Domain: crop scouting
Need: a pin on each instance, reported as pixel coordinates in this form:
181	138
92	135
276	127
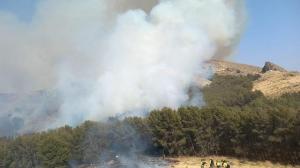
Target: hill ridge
273	80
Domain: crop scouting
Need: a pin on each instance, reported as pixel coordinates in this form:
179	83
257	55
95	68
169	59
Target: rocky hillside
273	80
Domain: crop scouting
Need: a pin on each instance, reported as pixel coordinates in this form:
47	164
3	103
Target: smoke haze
109	57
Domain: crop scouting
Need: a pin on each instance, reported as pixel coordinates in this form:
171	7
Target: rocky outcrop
269	66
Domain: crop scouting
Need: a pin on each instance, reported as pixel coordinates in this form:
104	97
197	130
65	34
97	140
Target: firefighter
219	164
212	164
225	164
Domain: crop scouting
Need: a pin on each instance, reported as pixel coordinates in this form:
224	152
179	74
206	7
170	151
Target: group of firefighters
219	164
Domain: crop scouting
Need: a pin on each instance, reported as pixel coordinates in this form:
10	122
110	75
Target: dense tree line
235	122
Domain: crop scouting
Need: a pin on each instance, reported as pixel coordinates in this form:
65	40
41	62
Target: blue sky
272	32
24	9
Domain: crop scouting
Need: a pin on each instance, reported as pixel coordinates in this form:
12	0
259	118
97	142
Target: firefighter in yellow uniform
203	164
225	164
219	164
211	164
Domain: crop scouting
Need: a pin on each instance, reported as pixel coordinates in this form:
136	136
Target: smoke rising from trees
107	57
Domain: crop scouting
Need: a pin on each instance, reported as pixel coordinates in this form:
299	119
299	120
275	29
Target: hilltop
222	67
273	80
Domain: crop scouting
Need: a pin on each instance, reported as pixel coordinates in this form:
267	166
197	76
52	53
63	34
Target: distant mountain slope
273	80
27	112
230	68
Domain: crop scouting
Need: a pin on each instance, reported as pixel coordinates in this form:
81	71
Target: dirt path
195	162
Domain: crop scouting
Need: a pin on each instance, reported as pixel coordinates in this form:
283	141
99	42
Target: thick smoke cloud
109	57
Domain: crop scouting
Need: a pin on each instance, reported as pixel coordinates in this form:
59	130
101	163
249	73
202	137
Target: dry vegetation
231	68
195	162
275	83
271	83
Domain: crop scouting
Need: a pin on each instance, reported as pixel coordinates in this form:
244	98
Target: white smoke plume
109	57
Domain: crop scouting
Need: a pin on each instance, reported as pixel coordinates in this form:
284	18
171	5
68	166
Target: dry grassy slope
271	83
275	83
230	68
